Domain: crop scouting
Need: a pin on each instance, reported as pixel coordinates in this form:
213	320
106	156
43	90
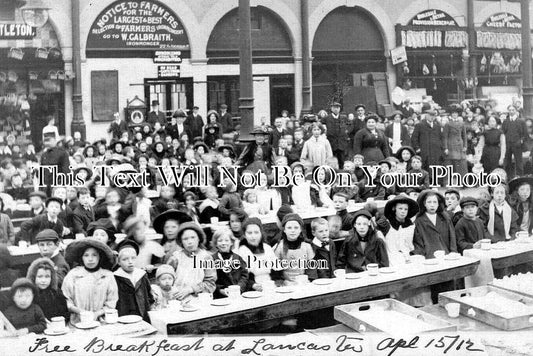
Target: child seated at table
470	229
47	296
323	247
192	279
422	180
134	291
452	205
250	204
334	225
48	243
292	247
228	276
103	231
36	202
363	247
30	228
230	200
164	289
340	203
25	315
501	220
165	201
150	252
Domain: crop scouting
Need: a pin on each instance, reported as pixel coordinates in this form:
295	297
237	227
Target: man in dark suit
56	157
515	130
117	127
297	146
277	133
427	140
337	134
396	132
226	120
181	128
195	123
156	115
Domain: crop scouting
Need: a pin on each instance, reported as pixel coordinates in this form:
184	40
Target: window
104	94
223	90
7	11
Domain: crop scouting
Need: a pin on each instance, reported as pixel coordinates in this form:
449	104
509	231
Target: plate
50	332
452	256
90	325
284	289
220	302
387	270
524	240
353	275
498	246
129	319
252	294
431	261
323	281
189	308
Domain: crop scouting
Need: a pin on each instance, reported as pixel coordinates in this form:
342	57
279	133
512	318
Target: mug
111	316
205	298
234	291
302	279
57	323
86	317
485	244
23	244
373	269
80	236
439	254
214	220
340	273
453	309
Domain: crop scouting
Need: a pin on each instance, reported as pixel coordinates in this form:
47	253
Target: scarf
92	270
506	219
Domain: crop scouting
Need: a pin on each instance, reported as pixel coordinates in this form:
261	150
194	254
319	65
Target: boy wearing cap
452	205
37	200
83	214
164	290
30	228
26	316
364	247
470	228
134	291
48	243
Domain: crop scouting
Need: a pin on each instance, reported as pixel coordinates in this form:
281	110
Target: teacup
302	279
111	316
453	309
23	244
86	317
234	291
205	298
268	286
340	273
57	323
439	254
373	269
417	259
214	220
485	244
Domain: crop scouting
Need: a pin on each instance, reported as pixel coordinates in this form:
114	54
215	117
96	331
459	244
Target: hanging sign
147	25
167	57
168	71
398	55
16	31
503	20
432	17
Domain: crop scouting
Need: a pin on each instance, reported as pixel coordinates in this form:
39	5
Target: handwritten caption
299	344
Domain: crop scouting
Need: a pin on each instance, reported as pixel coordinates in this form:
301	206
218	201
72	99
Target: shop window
171	95
7	11
224	90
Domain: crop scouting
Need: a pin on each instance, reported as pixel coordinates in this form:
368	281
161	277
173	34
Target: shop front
498	57
436	53
137	49
32	80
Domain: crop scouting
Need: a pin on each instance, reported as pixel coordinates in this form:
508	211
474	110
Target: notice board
104	94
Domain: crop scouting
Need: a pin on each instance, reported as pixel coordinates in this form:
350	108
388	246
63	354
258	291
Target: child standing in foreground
323	247
164	289
470	228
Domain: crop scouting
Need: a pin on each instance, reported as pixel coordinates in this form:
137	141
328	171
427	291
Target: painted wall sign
171	71
147	25
503	20
16	31
167	57
432	17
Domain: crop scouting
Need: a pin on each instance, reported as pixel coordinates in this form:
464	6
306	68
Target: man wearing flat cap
337	132
155	115
427	140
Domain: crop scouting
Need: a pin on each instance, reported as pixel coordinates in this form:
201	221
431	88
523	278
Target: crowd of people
96	254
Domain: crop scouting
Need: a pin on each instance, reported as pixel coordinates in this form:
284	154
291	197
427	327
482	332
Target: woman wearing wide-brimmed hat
90	286
399	212
258	155
521	201
167	224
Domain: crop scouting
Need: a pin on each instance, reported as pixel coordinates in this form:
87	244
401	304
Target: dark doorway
281	95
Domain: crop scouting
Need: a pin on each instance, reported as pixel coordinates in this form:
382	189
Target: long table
307	298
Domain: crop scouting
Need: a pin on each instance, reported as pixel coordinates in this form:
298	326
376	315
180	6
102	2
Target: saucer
431	261
353	275
284	289
220	302
452	256
387	270
323	281
50	332
252	294
189	308
90	325
129	319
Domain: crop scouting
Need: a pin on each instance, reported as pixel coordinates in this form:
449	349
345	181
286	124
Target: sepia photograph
266	177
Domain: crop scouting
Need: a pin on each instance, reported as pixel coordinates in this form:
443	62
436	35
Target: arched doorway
271	44
31	84
347	41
